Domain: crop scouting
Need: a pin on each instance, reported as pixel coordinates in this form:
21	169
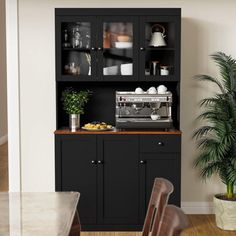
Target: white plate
123	44
98	129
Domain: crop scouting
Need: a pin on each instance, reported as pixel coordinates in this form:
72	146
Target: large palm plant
216	139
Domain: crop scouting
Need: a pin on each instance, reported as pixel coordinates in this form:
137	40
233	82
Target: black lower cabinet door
164	165
78	168
118	180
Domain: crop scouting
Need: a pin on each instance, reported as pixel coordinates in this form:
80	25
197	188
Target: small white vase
74	122
89	72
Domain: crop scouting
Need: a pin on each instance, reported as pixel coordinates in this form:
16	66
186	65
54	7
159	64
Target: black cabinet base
111	227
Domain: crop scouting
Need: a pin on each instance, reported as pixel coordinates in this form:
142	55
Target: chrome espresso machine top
143	110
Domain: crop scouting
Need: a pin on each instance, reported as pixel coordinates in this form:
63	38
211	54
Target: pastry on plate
95	125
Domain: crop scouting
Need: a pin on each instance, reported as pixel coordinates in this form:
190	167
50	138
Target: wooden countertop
119	131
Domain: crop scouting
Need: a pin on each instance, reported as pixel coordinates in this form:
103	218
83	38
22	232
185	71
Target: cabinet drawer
160	143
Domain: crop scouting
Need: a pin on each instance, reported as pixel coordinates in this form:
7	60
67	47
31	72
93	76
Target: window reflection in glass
118	48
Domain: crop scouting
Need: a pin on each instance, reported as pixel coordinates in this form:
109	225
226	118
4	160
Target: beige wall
207	26
3	78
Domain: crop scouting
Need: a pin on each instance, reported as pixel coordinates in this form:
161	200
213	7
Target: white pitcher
157	38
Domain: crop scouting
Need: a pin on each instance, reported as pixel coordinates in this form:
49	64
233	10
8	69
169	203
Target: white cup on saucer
155	116
152	90
161	89
139	90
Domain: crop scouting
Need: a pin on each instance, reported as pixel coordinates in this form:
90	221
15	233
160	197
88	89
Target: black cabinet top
118	11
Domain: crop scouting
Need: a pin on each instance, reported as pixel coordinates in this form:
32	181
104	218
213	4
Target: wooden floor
3	168
204	225
199	225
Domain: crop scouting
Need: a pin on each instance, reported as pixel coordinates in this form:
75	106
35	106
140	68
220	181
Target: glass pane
76	35
117	35
76	63
118	48
159	62
76	43
160	51
159	34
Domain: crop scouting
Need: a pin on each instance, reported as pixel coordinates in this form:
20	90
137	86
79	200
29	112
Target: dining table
39	214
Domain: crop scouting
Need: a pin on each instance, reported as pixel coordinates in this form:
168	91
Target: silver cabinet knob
160	143
94	162
142	162
100	162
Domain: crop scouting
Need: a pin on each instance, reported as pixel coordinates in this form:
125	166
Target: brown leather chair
162	188
173	222
76	227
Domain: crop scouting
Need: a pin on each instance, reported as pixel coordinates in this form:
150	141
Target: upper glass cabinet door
158	59
117	43
76	57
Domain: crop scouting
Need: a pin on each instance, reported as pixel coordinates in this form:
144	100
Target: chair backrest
173	222
162	188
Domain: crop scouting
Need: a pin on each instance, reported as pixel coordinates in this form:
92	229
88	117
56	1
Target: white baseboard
197	207
3	139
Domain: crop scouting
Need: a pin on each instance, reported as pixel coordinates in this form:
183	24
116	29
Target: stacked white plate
111	70
123	44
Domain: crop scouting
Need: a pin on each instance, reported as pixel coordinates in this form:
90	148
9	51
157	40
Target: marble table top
37	214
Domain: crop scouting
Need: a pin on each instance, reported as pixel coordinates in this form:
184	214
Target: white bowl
126	69
123	44
111	70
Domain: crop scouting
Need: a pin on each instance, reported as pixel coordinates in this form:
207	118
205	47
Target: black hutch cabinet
104	50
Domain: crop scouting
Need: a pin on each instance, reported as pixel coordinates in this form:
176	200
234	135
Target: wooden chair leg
76	227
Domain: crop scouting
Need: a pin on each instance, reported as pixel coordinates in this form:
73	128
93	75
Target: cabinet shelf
120	54
160	78
160	49
72	78
77	49
118	48
87	78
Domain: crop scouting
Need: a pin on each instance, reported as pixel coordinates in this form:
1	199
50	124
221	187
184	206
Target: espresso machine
145	110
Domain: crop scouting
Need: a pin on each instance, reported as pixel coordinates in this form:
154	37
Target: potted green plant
73	103
216	138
